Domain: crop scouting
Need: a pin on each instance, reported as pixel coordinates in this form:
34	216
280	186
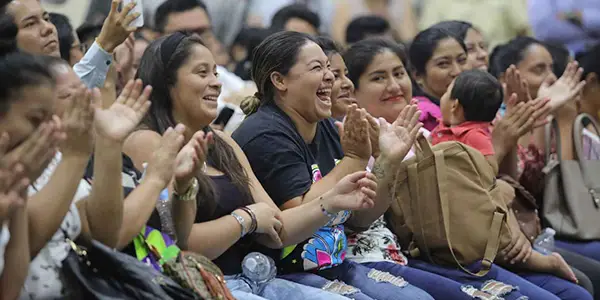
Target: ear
455	107
278	81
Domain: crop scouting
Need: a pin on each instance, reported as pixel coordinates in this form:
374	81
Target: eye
317	68
443	64
399	74
461	59
28	24
378	78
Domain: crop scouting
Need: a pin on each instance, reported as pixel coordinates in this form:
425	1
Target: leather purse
571	204
107	274
525	209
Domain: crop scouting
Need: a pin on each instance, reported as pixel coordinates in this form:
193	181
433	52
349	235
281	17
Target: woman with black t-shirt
295	151
234	214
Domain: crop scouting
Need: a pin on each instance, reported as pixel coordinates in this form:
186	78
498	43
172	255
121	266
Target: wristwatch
191	192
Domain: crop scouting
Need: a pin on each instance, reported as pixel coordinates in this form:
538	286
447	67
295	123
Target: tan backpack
448	208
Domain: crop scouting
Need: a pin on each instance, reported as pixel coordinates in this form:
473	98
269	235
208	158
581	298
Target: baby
468	107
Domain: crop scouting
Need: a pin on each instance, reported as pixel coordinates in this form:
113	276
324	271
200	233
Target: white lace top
44	278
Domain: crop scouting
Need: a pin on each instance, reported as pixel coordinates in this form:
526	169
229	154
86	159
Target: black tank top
228	199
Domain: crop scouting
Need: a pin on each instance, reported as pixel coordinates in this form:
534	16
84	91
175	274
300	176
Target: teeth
323	91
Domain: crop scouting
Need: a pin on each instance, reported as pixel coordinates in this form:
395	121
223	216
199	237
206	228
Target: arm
547	27
104	206
214	237
16	259
93	67
47	208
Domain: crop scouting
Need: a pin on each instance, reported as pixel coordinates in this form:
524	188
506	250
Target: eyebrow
316	60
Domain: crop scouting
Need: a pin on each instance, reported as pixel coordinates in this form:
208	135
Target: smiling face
535	67
384	87
477	50
196	89
308	85
342	94
37	35
447	62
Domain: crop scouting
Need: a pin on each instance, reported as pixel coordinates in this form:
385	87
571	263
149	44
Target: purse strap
578	128
493	243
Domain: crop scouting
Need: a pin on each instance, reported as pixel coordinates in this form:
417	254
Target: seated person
468	107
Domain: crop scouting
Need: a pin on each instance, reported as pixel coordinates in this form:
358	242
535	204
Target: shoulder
265	122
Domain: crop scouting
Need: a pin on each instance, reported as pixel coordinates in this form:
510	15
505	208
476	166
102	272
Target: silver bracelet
240	220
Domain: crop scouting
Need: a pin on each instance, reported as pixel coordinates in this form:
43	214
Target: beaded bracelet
254	225
325	212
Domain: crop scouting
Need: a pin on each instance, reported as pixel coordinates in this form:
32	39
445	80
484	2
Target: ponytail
251	104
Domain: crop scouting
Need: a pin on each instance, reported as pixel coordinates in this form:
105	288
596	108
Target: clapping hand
354	192
514	84
396	139
354	134
116	27
121	118
566	88
191	159
77	120
162	165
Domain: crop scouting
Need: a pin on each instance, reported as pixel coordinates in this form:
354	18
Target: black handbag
106	274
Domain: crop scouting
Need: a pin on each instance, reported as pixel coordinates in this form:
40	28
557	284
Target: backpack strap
493	243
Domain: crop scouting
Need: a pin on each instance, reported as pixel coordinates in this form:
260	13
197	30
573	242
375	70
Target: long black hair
158	67
510	53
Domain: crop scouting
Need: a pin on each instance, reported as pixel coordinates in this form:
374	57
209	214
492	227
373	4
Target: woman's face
67	86
32	107
308	85
477	50
139	47
535	66
385	87
37	35
343	88
447	62
196	90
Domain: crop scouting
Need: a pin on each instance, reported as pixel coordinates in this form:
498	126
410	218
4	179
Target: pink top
430	113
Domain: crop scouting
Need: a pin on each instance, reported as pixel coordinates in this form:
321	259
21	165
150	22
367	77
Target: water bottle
260	269
544	243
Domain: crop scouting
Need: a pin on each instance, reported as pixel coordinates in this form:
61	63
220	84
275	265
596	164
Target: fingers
383	125
114	7
516	249
125	17
141	104
356	176
180	128
97	98
272	233
371	194
368	182
136	91
520	257
124	96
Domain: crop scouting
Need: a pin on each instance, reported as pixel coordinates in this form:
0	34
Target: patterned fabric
161	242
327	246
430	112
45	279
376	244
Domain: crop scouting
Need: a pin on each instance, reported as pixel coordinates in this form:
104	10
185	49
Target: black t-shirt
286	166
229	198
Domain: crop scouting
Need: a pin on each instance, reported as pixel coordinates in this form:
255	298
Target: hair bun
250	104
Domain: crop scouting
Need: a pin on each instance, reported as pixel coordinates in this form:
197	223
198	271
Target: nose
456	69
328	76
215	83
347	84
48	28
393	86
482	54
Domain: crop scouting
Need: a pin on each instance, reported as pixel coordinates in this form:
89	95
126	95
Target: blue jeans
437	286
534	286
587	249
276	289
361	283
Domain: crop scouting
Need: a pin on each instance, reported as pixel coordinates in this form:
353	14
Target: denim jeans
524	286
360	282
276	289
587	249
437	286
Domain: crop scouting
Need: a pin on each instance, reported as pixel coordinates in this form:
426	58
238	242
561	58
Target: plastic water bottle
544	243
259	268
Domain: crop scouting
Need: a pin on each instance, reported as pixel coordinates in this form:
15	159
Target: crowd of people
108	137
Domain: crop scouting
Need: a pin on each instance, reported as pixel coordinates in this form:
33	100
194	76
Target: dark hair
510	53
277	53
17	71
158	67
8	33
457	28
86	32
174	6
249	38
65	34
298	11
360	55
425	43
560	58
365	26
479	93
589	61
328	45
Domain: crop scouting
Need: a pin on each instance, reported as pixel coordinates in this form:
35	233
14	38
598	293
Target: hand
519	119
268	221
395	140
162	165
124	58
13	190
354	134
116	26
191	160
518	251
77	121
374	136
354	192
566	88
121	118
35	153
515	85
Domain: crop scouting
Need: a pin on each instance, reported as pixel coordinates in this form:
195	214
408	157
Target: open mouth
324	94
210	98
